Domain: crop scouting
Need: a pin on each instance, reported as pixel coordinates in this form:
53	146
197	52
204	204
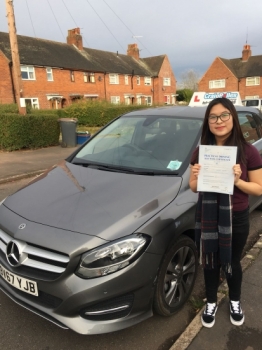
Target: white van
253	102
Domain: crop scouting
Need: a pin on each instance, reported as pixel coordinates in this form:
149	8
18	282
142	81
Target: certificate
216	172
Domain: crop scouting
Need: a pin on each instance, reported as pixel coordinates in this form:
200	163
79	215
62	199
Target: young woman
222	221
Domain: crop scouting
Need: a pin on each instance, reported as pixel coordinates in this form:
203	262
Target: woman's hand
237	173
195	170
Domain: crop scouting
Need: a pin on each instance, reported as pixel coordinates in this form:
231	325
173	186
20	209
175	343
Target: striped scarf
213	230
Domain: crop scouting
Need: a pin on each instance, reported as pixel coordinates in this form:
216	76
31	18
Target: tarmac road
21	329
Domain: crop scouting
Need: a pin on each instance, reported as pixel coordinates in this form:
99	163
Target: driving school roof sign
203	98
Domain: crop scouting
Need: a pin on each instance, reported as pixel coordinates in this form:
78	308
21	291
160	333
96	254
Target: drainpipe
154	90
105	84
12	80
132	76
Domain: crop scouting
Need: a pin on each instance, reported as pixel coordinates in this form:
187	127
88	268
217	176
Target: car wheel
176	277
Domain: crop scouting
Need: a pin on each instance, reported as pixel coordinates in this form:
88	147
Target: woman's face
220	127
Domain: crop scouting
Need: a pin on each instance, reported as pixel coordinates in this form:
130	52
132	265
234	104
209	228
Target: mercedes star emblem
13	254
22	226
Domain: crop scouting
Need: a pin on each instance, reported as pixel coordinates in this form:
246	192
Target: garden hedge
29	131
40	128
96	113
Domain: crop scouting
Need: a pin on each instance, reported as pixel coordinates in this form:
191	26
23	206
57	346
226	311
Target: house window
89	77
147	80
126	79
216	84
252	81
49	74
166	81
115	100
148	100
137	80
28	73
32	102
113	79
72	76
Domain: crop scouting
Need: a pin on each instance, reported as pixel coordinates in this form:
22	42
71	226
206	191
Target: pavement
17	165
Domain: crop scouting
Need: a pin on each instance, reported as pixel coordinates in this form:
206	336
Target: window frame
117	100
148	100
50	73
148	81
137	80
166	81
28	70
213	84
126	79
113	78
72	76
249	81
33	99
89	77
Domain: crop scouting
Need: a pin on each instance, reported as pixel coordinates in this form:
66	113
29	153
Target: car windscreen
142	144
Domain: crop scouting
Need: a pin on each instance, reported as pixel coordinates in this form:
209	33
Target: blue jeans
240	230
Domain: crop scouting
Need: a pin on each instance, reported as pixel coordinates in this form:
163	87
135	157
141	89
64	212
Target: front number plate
18	282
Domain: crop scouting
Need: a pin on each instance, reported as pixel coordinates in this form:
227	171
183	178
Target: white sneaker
237	317
208	316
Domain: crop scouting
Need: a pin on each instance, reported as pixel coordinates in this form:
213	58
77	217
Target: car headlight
111	257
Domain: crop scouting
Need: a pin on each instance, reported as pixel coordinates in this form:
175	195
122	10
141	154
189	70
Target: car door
251	125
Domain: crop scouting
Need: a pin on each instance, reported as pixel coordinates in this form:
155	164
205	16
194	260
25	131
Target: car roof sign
203	98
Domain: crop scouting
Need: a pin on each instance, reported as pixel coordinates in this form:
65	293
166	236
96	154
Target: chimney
246	53
75	38
133	51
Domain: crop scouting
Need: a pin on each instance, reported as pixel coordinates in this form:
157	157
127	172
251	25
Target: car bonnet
99	203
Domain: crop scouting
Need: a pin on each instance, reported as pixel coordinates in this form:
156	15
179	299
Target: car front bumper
93	306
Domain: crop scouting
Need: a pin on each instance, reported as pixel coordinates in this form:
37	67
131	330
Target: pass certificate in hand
216	172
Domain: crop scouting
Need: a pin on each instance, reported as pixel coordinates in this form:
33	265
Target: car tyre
176	277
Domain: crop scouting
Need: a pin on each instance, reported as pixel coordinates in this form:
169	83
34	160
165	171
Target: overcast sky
192	33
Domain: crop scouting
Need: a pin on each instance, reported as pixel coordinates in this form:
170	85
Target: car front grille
30	260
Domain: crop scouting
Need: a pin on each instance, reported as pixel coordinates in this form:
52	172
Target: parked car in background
105	238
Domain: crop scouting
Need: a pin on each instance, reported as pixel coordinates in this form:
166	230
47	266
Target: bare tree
189	80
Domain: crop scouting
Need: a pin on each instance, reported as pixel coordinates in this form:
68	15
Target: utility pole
16	69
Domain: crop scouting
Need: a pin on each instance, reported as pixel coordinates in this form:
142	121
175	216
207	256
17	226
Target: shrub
29	131
184	95
96	113
8	108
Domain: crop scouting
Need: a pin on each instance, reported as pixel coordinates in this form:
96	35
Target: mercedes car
105	239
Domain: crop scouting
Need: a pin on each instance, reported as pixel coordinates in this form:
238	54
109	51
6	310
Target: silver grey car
106	238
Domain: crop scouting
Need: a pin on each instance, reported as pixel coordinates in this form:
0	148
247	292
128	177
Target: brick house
237	74
56	74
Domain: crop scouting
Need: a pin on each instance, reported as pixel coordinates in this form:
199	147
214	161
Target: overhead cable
74	20
56	20
30	18
127	27
105	25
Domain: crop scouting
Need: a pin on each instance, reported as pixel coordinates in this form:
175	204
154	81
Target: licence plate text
18	282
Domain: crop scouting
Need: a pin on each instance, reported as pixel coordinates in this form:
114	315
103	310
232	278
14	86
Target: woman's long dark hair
236	137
